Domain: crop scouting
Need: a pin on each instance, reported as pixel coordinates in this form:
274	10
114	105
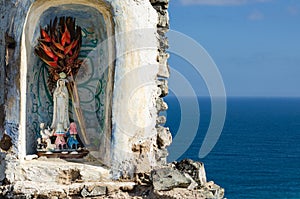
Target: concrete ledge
59	171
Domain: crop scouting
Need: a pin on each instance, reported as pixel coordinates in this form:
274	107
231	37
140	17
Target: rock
161	119
162	2
68	176
159	1
163	85
167	178
143	178
213	190
163	19
31	157
96	191
194	169
163	44
163	70
84	192
159	8
161	105
163	57
162	30
193	184
161	156
164	137
209	184
127	188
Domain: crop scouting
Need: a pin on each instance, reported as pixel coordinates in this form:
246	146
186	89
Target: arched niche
94	80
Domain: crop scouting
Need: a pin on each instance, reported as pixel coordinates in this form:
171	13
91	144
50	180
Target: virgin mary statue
60	105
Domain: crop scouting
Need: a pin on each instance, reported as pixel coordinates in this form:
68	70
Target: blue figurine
72	136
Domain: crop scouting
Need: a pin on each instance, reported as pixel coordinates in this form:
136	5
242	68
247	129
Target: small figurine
60	134
72	139
45	136
50	146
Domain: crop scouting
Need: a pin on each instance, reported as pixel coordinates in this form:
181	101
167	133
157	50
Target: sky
255	44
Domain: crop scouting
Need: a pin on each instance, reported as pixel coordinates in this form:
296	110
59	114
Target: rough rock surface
164	137
185	174
166	182
94	191
194	169
55	170
168	178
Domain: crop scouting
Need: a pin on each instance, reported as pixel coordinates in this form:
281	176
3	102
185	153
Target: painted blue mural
91	79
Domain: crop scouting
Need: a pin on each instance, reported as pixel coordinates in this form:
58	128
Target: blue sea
258	152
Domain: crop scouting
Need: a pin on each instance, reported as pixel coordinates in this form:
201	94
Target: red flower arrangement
59	46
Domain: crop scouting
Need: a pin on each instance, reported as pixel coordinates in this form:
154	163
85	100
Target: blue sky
254	43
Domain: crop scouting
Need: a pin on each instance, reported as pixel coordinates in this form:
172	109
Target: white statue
61	105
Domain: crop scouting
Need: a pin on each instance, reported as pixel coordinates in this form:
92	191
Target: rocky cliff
184	179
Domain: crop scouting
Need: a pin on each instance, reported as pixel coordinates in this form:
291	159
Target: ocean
258	153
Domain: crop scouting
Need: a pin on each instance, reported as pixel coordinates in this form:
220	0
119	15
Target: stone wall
164	137
13	15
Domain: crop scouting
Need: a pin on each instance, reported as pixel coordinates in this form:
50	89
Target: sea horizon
258	152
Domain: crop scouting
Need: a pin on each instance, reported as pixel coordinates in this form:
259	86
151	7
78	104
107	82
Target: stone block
68	176
213	190
163	19
163	70
94	191
164	137
161	105
161	156
193	184
163	43
98	190
164	88
164	179
195	169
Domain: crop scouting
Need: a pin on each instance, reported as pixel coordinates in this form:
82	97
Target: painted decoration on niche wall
70	63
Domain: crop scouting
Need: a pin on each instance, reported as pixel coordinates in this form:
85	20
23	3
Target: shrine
83	88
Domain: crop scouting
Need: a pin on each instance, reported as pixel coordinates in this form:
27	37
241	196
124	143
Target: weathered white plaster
134	89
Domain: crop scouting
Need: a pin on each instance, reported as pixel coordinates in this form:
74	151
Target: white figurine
45	133
45	136
50	146
61	105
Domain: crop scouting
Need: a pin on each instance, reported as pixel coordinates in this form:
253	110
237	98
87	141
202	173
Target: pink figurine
60	134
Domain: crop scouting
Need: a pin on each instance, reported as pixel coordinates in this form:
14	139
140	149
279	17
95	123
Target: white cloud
221	2
256	15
